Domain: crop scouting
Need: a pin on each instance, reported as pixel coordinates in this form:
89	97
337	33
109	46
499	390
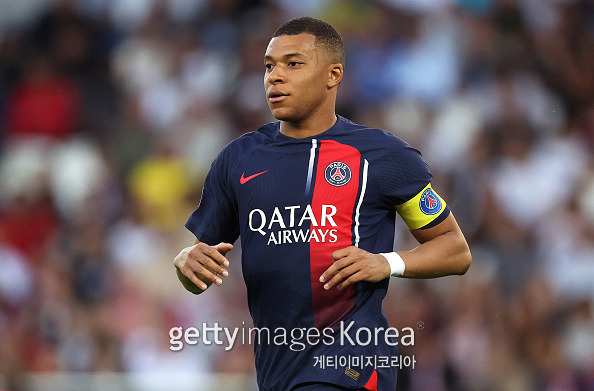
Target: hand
201	263
353	264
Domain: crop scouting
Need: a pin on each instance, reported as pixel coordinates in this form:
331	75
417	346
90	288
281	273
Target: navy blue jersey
296	201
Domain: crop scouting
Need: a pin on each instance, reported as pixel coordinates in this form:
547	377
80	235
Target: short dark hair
326	35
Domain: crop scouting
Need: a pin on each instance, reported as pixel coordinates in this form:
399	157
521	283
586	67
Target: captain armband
424	210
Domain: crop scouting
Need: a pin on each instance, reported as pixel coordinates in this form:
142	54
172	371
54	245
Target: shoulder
246	143
384	140
374	136
398	167
380	145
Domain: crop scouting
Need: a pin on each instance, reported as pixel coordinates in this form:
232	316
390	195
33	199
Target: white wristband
396	263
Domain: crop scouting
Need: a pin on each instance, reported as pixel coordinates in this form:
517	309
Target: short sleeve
216	218
405	183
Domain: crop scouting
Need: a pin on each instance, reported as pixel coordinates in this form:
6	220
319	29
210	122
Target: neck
313	125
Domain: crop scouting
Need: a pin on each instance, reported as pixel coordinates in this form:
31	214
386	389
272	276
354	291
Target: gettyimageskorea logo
296	339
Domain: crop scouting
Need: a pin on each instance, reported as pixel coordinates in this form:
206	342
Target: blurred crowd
111	112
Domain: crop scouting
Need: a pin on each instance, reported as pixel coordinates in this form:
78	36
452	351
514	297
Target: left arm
442	251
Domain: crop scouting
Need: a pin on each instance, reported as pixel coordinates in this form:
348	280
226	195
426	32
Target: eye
268	66
294	63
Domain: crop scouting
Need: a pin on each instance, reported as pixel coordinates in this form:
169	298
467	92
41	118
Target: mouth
276	96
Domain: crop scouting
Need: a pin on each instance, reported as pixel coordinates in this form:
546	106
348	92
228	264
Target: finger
209	256
213	252
189	273
336	267
359	276
204	271
211	265
224	248
342	253
342	275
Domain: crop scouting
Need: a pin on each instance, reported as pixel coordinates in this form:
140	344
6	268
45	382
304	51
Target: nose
275	76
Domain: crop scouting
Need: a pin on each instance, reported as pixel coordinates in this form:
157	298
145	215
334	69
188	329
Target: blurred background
111	112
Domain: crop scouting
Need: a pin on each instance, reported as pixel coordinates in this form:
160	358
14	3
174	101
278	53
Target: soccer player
314	197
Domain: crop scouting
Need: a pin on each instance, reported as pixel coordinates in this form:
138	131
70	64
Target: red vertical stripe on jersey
372	383
331	306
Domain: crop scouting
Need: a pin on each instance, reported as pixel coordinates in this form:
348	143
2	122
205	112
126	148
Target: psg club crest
337	174
429	203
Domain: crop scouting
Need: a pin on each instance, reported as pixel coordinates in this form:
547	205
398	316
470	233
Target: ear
335	75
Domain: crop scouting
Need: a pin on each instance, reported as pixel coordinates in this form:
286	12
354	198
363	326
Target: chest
293	176
298	195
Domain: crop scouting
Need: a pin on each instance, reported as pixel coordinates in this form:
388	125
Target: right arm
197	266
215	220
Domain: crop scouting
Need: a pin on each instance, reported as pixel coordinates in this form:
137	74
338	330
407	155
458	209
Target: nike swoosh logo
243	180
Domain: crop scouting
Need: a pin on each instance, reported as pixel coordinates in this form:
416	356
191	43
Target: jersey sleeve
216	218
405	182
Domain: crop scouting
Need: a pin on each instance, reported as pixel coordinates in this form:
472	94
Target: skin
199	266
297	67
308	80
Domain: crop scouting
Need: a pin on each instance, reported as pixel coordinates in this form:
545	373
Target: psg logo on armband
430	204
337	174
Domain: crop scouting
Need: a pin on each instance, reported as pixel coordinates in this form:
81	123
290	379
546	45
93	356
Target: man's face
296	77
